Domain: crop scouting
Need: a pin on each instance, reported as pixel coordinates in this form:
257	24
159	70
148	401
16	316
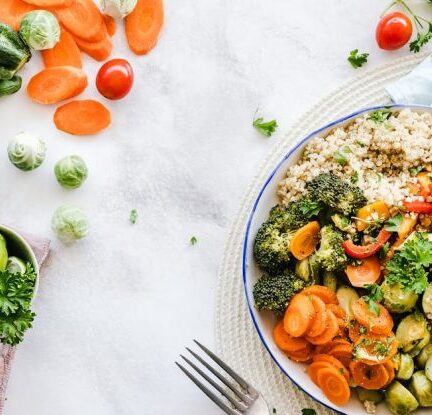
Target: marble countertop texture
115	310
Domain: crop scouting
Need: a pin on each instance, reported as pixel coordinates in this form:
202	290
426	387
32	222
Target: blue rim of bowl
290	153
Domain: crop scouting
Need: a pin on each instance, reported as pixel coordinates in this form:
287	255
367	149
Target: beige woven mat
237	341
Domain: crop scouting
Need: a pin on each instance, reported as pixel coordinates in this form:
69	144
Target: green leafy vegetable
193	240
393	224
133	216
40	29
379	116
354	177
309	208
384	250
413	171
266	128
421	39
374	297
341	156
356	59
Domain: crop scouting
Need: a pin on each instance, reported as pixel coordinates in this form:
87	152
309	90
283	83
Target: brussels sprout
396	300
347	296
330	280
40	29
3	253
71	171
424	355
400	400
427	301
70	223
302	269
428	368
118	8
375	396
412	333
421	388
314	267
26	152
16	265
405	366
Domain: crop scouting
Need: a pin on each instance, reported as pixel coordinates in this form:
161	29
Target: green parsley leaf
422	39
393	224
354	177
379	116
413	171
341	156
309	208
193	240
266	128
308	411
133	216
374	297
383	251
356	59
360	144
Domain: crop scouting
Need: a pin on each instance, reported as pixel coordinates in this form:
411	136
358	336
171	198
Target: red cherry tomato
115	78
393	31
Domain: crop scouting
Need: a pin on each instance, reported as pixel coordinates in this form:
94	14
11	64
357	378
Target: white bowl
264	321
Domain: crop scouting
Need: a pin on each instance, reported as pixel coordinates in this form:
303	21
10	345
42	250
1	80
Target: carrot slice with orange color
305	240
56	84
285	341
100	50
367	272
64	53
325	293
110	24
390	370
369	376
340	314
12	12
144	25
373	349
324	349
371	212
84	117
83	19
315	367
356	330
334	385
319	321
377	323
331	331
303	355
342	352
298	316
50	3
334	362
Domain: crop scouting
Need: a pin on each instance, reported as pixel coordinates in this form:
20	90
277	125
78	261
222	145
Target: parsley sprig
266	128
380	116
374	297
356	59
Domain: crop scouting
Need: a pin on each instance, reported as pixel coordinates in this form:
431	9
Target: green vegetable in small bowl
70	223
71	171
26	152
40	29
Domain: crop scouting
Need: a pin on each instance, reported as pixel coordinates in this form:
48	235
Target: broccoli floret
274	292
343	223
271	247
336	193
331	255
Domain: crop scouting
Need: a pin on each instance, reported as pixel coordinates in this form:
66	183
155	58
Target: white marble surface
115	310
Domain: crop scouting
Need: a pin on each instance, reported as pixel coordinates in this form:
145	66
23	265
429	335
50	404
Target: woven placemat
236	339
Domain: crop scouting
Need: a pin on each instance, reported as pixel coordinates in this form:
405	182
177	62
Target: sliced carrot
50	3
356	330
334	362
342	352
325	293
368	272
390	370
56	84
373	349
303	355
305	240
315	367
334	385
84	117
381	323
110	24
64	53
340	314
331	331
83	19
286	342
144	25
12	12
298	316
369	376
324	349
371	212
320	319
100	50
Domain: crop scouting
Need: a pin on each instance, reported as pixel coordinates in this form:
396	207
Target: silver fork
244	398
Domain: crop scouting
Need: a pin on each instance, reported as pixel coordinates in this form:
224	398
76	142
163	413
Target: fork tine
239	405
222	378
210	394
227	369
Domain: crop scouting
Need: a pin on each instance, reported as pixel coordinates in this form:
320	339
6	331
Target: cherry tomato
393	31
115	78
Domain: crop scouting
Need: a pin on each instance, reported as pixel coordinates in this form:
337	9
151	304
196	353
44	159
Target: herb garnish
413	171
193	240
393	224
341	156
133	216
374	297
354	177
356	59
266	128
379	116
309	208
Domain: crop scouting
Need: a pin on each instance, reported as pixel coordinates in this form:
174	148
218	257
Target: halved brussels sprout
405	366
330	280
424	355
421	388
412	334
16	265
396	300
427	301
347	296
3	253
400	400
26	152
314	268
375	396
302	269
428	368
40	29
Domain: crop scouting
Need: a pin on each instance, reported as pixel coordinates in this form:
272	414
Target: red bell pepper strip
418	207
365	251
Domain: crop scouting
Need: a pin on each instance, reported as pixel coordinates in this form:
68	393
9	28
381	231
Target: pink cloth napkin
41	247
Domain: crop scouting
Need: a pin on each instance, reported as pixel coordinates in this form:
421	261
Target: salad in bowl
338	272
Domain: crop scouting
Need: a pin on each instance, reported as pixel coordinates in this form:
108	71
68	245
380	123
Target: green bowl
18	246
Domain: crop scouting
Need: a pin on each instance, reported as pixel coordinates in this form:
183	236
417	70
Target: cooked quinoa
377	156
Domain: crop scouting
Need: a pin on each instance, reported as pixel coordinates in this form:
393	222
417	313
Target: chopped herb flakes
133	216
380	116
